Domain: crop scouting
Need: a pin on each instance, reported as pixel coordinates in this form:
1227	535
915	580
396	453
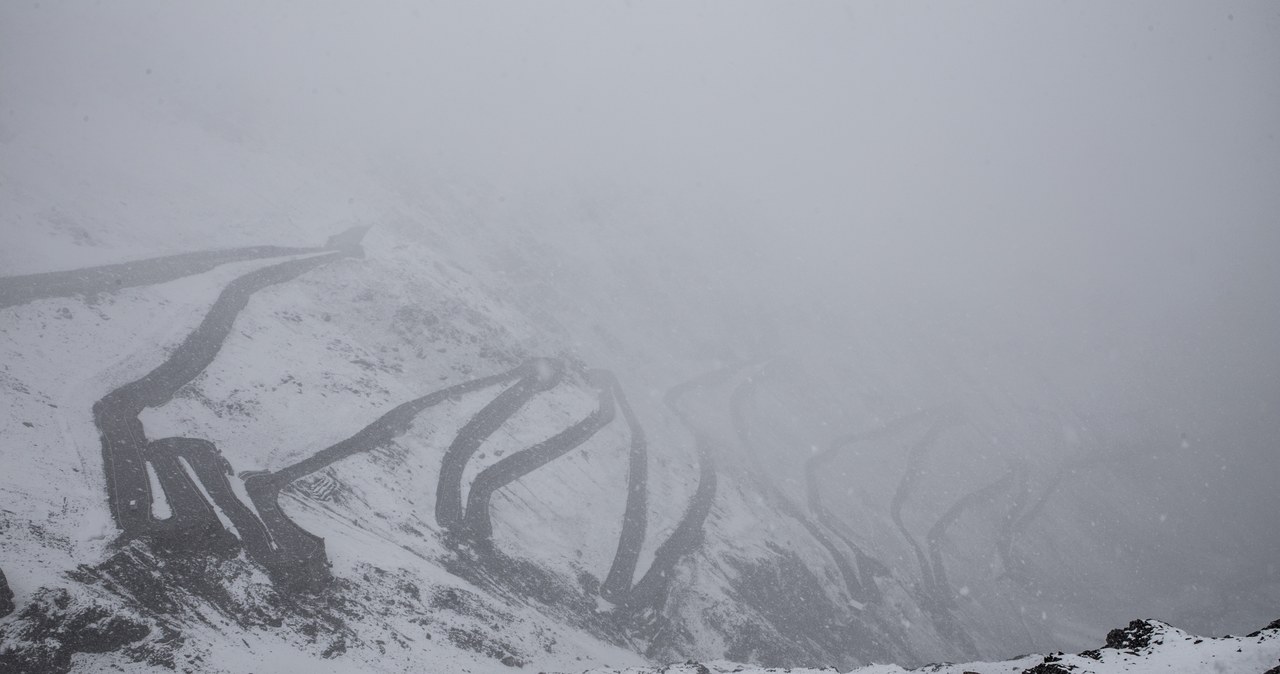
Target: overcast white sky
1056	140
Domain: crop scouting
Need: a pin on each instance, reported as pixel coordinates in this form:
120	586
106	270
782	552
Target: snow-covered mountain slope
231	442
1143	647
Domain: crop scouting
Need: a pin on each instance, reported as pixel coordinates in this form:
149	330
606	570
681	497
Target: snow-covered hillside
271	343
313	367
1144	647
272	404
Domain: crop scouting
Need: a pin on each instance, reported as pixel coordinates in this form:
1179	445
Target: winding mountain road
126	449
476	523
859	589
915	469
814	468
540	376
650	591
194	478
987	494
635	519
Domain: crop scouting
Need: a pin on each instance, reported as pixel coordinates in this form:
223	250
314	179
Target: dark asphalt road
859	589
116	414
941	585
535	377
936	603
476	524
915	468
126	449
188	469
264	488
814	469
16	290
651	590
635	519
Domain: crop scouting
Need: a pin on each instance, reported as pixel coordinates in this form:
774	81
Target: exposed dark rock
6	596
1137	635
476	641
53	628
804	626
338	647
1274	625
1049	668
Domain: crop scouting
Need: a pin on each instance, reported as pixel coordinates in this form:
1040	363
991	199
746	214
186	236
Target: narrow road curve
1022	515
540	375
1021	518
1022	493
943	620
380	433
815	466
742	395
1024	511
651	590
291	555
868	567
126	449
476	524
15	290
941	586
915	460
1009	528
635	519
297	548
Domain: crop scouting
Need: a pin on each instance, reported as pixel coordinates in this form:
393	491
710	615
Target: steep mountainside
240	433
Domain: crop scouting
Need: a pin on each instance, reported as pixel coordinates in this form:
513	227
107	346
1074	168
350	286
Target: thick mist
1062	218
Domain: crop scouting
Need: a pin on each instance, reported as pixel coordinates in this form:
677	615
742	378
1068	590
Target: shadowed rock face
859	589
53	627
6	596
1136	635
805	627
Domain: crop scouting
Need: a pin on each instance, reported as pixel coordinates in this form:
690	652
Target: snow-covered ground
1145	647
455	284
